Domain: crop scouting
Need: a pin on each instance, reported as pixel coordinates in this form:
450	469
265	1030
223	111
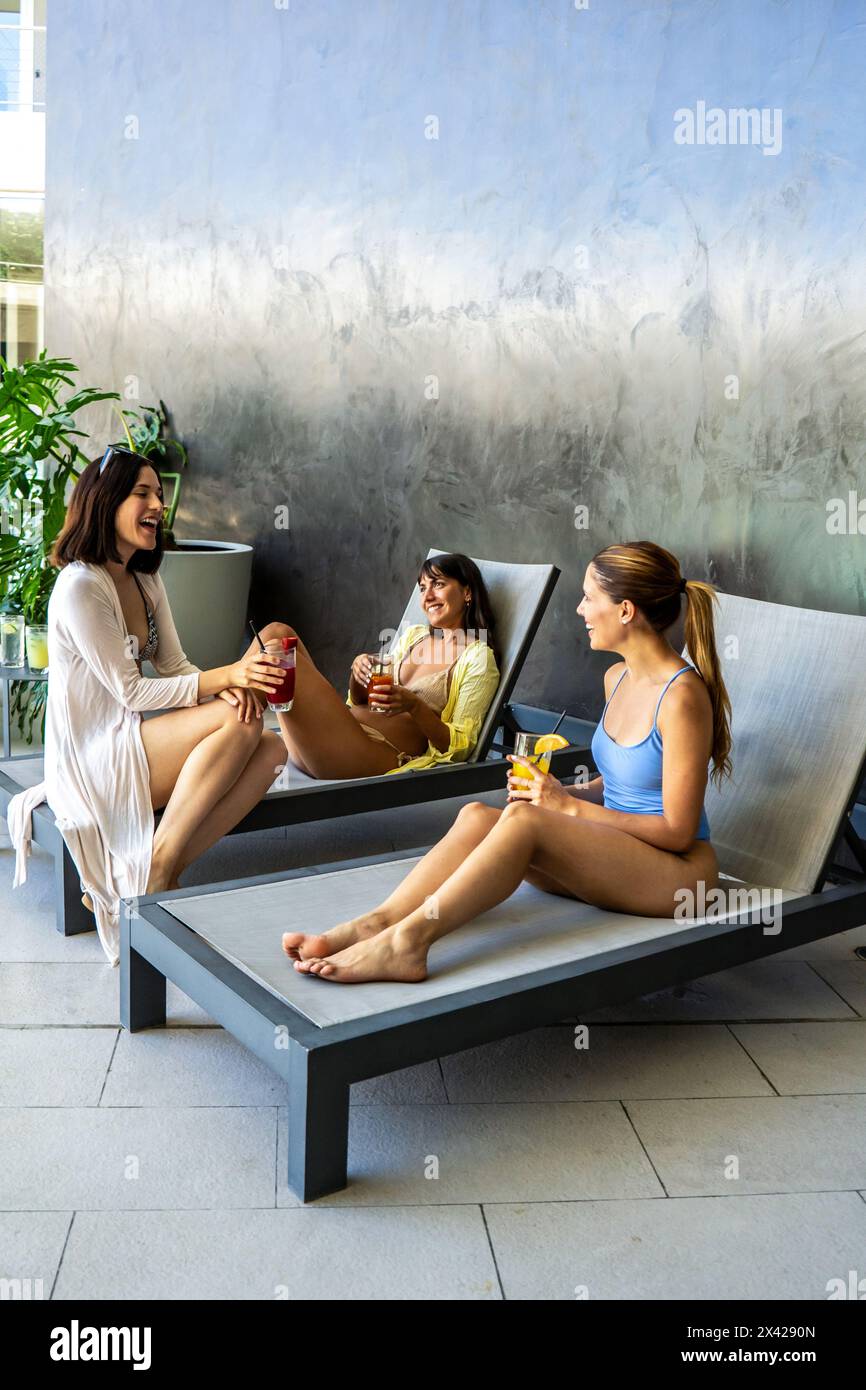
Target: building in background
22	177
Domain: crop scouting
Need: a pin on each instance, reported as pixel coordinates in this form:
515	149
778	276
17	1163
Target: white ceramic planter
208	585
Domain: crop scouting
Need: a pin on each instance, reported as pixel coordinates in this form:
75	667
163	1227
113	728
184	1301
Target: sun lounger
797	681
519	594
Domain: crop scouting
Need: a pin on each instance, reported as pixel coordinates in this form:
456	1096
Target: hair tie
683	583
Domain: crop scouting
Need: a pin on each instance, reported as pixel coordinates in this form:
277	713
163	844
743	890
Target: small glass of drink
381	679
525	746
37	646
282	699
11	639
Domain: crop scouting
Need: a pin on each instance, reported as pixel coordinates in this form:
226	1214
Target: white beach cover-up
97	781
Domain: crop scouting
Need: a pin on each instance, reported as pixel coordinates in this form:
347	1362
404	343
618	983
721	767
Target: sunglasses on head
112	452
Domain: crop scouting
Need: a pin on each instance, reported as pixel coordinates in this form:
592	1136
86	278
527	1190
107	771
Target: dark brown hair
478	616
650	578
88	532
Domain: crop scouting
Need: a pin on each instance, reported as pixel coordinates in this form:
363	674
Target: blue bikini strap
613	692
661	697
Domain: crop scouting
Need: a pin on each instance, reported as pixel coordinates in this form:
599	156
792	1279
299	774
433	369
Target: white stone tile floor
701	1143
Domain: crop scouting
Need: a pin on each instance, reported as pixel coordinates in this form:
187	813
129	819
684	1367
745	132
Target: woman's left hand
391	699
540	789
249	704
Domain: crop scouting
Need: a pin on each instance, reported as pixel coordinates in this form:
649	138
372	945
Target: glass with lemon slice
537	748
11	639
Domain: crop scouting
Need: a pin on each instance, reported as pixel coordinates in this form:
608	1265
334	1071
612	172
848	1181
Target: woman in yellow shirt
446	674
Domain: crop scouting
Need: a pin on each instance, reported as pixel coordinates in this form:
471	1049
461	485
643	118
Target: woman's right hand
362	668
257	671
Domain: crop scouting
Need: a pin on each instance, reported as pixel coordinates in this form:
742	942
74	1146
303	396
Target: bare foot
300	945
386	956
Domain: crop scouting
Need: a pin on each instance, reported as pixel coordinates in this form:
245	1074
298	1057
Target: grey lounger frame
319	1063
520	593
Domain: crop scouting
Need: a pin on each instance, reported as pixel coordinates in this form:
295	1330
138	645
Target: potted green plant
207	582
40	456
146	435
43	451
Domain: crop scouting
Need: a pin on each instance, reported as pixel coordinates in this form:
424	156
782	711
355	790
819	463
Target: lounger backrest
797	682
519	595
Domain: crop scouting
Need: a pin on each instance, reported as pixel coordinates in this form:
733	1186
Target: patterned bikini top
148	651
433	688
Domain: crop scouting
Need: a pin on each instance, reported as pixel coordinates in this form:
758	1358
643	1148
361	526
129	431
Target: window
22	177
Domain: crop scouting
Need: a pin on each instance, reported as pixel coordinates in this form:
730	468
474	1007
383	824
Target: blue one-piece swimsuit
633	772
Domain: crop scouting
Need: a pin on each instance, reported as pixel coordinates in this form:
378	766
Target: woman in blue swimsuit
630	840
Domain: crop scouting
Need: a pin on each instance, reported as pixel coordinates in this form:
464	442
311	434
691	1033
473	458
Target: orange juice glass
525	747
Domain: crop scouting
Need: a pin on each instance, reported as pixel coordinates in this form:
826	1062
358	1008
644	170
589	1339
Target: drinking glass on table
37	646
11	639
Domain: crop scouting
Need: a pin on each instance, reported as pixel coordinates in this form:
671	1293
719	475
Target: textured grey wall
328	213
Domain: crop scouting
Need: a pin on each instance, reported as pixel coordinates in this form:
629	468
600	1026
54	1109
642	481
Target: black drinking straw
558	722
553	730
252	628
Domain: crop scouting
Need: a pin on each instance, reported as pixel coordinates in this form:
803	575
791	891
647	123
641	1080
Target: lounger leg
318	1126
5	702
142	987
72	916
856	845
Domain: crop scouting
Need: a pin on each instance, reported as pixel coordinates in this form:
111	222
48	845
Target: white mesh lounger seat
797	681
519	595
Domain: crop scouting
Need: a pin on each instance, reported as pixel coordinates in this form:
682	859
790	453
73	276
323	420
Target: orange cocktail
537	748
382	677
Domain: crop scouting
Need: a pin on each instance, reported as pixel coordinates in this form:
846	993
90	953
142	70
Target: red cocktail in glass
281	699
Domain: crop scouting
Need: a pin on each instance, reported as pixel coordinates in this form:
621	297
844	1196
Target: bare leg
490	873
258	775
321	735
596	862
473	822
548	884
195	756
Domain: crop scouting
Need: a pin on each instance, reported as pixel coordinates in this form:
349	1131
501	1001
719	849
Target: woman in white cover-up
207	762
